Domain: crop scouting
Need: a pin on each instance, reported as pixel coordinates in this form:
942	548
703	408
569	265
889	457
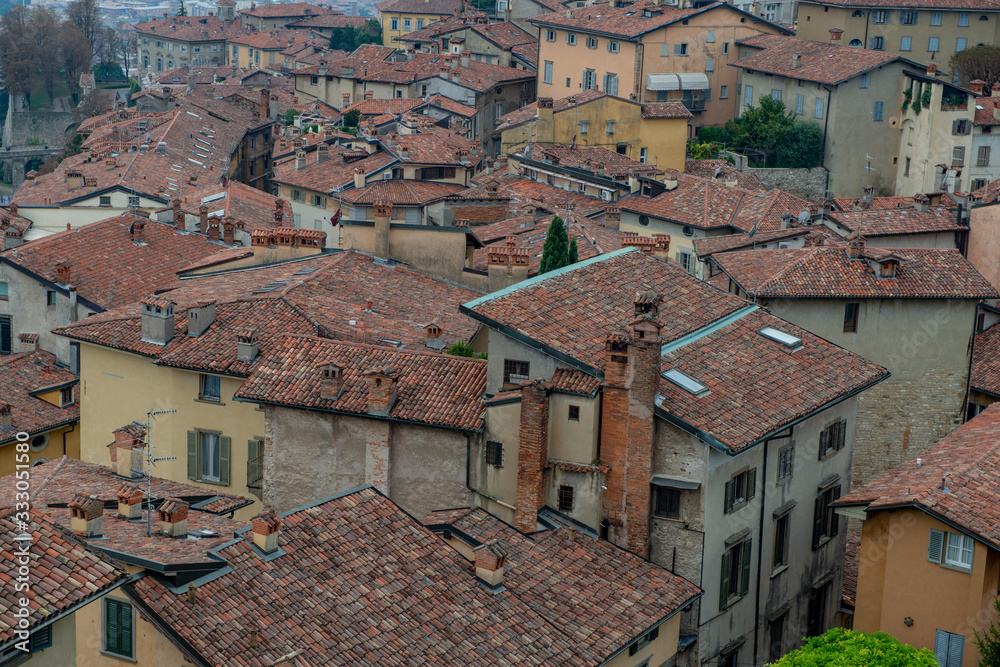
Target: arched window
855	43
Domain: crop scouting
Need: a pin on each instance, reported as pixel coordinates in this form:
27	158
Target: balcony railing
255	472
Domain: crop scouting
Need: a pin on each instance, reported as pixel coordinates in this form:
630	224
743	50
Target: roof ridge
59	466
962	471
339	341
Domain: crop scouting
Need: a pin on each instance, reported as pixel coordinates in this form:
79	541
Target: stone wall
47	127
808	184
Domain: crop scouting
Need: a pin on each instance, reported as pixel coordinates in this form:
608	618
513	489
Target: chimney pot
28	341
976	86
129	501
381	390
490	560
87	513
173	515
266	528
434	339
247	345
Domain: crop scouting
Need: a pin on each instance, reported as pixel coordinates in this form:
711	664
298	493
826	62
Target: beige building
176	41
648	54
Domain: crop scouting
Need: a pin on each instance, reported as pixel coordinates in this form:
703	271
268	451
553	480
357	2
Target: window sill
778	570
123	658
823	541
212	482
957	568
672	519
210	401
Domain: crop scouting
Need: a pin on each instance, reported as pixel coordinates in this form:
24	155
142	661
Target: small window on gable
887	269
565	498
574	413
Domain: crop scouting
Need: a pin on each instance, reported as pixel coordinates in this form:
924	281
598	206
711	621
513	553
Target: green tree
108	71
289	116
801	147
370	33
464	350
574	252
850	648
345	39
761	129
351	118
989	642
980	62
133	88
555	252
182	10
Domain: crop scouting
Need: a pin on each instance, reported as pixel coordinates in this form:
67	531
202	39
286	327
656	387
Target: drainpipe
868	17
760	540
826	125
74	428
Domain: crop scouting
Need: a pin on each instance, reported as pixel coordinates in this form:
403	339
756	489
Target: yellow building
930	552
651	133
39	412
263	49
649	54
400	17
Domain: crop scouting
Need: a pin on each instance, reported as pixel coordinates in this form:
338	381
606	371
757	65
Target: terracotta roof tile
440	7
899	221
665	110
615	165
23	375
189	28
524	192
983	5
330	175
956	480
627	21
828	272
377	107
433	389
402	193
820	62
985	375
270	40
573	382
592	239
708	168
986	108
332	20
287	9
852	561
858	204
817	234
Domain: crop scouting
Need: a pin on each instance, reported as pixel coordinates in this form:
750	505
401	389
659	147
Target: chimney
490	559
74	179
200	318
856	248
920	203
157	320
331	382
347	99
178	214
670	182
129	501
138	231
279	212
932	69
87	513
228	231
383	212
359	177
465	60
381	390
533	448
28	342
369	94
213	229
434	340
6	418
612	217
976	86
62	273
300	160
203	219
322	153
173	515
266	528
731	181
835	35
247	345
868	195
995	92
265	102
795	60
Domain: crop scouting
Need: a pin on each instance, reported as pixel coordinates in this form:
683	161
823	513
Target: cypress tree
574	255
555	252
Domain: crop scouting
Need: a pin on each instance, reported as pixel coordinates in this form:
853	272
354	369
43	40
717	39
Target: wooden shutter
956	646
730	491
745	579
751	483
935	547
112	630
192	455
842	436
824	439
834	517
817	521
727	561
941	647
125	633
224	442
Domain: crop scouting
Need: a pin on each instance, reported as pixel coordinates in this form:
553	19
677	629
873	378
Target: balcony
255	475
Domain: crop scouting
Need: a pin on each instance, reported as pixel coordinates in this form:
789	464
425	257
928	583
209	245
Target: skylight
778	336
689	385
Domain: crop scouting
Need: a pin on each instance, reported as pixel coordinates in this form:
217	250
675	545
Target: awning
672	483
677	81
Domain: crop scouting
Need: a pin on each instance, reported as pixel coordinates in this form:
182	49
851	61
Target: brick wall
377	454
481	214
645	370
533	453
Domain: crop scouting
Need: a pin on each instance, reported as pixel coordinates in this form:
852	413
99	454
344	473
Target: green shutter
936	546
730	490
746	554
817	521
224	460
824	438
112	640
751	483
125	635
724	579
842	440
834	517
192	455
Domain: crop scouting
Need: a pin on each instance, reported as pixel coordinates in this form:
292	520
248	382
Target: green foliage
133	88
574	252
289	117
182	10
989	642
349	38
310	128
33	141
702	151
850	648
555	252
955	99
109	72
761	129
351	118
802	147
916	106
463	350
925	97
711	135
981	62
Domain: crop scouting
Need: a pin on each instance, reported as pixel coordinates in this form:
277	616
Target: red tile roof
852	561
402	193
665	110
820	62
333	20
828	272
431	389
858	203
708	169
64	574
383	589
982	5
956	481
628	21
592	239
444	26
21	377
985	374
282	10
329	176
189	29
271	40
254	208
440	7
706	247
504	34
986	108
394	105
106	266
549	570
524	192
572	381
615	165
899	221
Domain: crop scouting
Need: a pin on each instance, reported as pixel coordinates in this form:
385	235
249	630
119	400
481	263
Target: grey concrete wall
503	347
48	127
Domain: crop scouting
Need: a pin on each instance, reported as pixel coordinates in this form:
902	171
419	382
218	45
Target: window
723	92
159	44
819	108
958	156
236	51
781	535
664	50
731	658
571	38
856	43
832	439
960	44
420	24
951	549
725	48
611	83
298	195
4	292
876	43
592	43
644	154
574	413
105	200
494	453
5	334
565	498
643	641
514	371
935	18
50	298
170	46
776	632
740	489
776	95
66	396
816	617
614	47
40	639
747	95
825	520
589	79
394	24
786	462
933	44
983	157
119	633
948	648
159	64
686	260
863	81
978	183
609	126
963	19
904	43
550	35
133	201
210	387
735	581
877	111
880	16
195	49
208	457
906	172
680	49
314	80
798	104
666	502
498	110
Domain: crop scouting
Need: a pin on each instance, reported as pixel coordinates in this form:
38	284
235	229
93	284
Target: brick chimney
381	399
434	340
228	231
200	318
28	342
369	94
359	177
533	454
331	382
129	501
383	212
322	153
87	513
203	219
157	320
178	214
346	97
173	515
265	102
976	86
490	560
279	212
266	529
128	439
995	92
932	69
138	231
856	248
247	345
62	273
381	390
213	229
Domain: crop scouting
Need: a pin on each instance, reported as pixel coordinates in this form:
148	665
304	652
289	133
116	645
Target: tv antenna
150	462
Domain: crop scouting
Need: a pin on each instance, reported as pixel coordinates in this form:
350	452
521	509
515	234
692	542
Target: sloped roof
25	374
439	7
985	374
899	221
402	193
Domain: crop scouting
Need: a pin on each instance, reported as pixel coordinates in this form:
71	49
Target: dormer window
887	269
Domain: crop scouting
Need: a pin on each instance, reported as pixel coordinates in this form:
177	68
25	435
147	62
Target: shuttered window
832	439
118	631
948	648
786	462
983	158
735	577
826	523
740	489
208	456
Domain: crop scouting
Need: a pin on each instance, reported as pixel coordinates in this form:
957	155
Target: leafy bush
289	117
464	350
711	135
989	642
802	147
850	648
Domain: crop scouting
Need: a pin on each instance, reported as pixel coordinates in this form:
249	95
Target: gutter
917	506
691	600
56	287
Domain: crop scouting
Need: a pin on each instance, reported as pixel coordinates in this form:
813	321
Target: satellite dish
804	217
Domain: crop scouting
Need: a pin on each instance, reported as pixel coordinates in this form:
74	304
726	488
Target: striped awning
677	81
